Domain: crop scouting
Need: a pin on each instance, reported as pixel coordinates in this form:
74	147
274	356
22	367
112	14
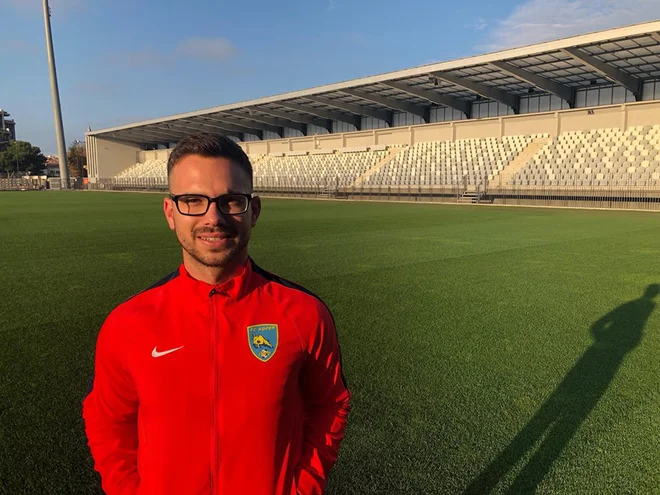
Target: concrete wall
553	123
106	158
468	129
302	144
258	148
359	139
432	132
636	115
541	123
112	157
394	135
330	142
594	118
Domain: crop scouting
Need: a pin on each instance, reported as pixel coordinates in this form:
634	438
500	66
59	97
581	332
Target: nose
214	214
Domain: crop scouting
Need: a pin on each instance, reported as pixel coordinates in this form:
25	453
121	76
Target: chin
218	258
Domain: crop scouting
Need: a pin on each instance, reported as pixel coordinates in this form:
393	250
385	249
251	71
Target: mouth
214	240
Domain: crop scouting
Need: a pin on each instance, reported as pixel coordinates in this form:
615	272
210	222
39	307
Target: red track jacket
230	389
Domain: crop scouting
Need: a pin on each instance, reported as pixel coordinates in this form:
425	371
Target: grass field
502	350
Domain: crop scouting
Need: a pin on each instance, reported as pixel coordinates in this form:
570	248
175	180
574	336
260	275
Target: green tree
77	158
20	157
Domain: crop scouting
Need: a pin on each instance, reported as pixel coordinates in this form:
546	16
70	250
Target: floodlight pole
57	110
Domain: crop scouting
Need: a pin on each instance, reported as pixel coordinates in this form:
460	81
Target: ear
168	209
256	209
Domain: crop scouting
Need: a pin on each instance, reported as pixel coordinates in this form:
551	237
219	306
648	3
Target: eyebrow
231	191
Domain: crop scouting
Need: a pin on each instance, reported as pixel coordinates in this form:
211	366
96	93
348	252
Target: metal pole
55	93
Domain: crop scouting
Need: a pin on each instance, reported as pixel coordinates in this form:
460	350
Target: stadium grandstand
572	122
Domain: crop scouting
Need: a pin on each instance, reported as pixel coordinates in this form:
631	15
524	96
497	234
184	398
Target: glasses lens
191	204
233	204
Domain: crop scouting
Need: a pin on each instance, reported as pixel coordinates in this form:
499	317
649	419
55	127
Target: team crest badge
263	341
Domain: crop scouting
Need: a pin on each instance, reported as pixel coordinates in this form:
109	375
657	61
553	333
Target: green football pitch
488	349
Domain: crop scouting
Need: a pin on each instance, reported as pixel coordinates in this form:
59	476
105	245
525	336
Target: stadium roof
624	56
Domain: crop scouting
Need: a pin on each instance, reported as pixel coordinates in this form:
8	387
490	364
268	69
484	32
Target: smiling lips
214	238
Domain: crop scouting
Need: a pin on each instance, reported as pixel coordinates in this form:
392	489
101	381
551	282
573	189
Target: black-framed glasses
196	205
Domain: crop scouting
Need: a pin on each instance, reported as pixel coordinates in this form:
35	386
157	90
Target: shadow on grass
553	426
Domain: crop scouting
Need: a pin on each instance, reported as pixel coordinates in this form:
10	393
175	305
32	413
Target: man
221	378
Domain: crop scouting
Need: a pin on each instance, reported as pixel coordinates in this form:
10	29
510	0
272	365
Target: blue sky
122	61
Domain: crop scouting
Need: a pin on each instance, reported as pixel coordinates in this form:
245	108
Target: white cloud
479	24
213	49
207	48
535	21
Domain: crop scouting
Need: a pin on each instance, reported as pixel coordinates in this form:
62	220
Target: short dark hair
210	146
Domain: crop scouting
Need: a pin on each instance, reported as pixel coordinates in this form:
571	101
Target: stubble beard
213	258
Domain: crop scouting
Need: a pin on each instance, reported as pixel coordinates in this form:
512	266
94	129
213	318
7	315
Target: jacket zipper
214	393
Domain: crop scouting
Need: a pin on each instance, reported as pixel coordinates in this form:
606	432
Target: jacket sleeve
110	414
327	406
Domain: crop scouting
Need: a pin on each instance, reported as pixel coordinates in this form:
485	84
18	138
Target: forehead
207	175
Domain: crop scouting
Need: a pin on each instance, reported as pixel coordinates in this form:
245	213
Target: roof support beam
274	121
354	120
228	129
209	120
481	89
250	125
201	126
164	136
113	136
304	119
614	74
432	96
402	106
353	108
564	92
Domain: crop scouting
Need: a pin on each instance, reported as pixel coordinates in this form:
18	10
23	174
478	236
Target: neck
213	275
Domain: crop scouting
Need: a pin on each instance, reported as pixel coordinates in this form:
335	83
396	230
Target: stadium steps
258	159
521	160
261	161
468	197
393	152
473	197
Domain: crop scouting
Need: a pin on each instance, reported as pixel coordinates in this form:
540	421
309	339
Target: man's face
214	239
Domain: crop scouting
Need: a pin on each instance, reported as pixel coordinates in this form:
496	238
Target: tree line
18	158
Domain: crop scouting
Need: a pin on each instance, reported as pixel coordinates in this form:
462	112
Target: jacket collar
233	289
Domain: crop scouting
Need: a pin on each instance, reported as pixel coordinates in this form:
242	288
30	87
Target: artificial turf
488	349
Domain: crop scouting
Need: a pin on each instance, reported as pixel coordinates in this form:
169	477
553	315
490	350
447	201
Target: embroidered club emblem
262	340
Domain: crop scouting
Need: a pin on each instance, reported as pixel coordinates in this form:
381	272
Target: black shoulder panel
286	283
162	281
292	285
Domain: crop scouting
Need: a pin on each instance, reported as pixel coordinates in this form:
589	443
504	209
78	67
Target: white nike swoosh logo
157	354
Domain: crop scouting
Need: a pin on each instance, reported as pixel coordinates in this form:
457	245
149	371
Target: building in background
52	166
7	128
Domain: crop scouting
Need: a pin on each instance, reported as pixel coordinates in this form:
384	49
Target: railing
132	184
589	192
16	184
613	195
